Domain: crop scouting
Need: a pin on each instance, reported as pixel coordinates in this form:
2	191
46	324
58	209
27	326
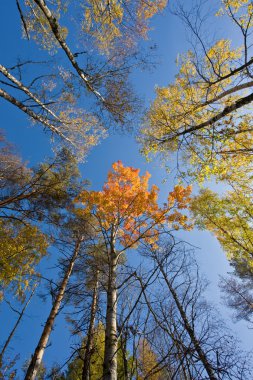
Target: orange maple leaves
129	211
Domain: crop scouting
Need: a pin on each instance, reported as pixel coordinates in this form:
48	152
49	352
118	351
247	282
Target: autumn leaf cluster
127	208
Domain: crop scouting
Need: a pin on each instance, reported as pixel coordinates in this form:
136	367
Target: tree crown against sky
32	200
205	113
70	84
127	211
83	87
205	117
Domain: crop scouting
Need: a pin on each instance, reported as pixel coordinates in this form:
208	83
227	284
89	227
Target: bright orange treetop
127	212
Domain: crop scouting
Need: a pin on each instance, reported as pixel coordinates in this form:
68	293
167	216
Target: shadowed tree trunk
124	353
90	336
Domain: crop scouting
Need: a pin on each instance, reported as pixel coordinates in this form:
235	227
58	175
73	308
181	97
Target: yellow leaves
115	24
102	21
229	218
148	9
21	249
39	29
81	129
221	58
187	115
147	361
129	211
236	4
239	10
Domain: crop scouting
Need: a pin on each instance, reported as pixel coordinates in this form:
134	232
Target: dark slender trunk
90	335
21	313
111	340
202	356
124	354
39	351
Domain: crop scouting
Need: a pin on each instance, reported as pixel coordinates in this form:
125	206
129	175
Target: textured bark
111	341
90	335
34	115
55	27
39	351
26	90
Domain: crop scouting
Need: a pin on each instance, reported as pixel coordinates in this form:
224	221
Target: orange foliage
130	211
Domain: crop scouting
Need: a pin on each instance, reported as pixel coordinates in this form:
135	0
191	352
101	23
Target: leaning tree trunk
90	335
202	355
111	340
39	351
15	327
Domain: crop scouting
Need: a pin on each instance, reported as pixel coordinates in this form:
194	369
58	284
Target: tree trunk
39	351
111	340
90	335
202	356
15	327
124	354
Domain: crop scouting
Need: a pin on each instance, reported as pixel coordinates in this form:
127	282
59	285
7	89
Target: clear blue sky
34	145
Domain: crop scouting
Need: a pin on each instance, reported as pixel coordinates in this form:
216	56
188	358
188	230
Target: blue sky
34	145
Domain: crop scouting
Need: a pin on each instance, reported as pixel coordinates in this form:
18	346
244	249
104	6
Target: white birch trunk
111	340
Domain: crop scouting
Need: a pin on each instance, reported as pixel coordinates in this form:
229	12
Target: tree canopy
205	113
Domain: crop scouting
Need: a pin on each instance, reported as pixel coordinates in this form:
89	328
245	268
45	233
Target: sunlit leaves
113	23
239	10
81	131
21	247
38	27
230	218
147	361
108	23
204	113
129	210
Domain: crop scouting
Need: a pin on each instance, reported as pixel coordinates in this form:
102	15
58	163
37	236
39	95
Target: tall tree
125	213
185	332
229	218
28	197
204	113
205	116
84	296
146	361
12	332
109	35
74	237
75	366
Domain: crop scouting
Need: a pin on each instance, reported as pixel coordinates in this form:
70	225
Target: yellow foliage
21	248
229	218
39	28
114	23
182	116
146	361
